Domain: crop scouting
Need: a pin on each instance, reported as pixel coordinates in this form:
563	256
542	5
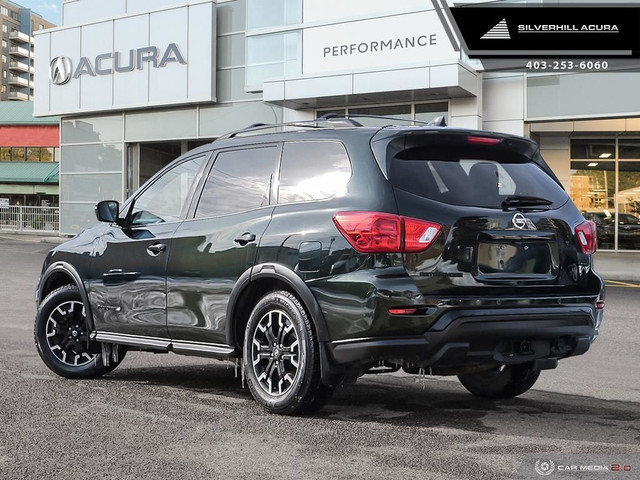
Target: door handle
117	275
244	239
156	249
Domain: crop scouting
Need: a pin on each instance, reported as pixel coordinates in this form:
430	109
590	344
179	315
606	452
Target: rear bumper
464	339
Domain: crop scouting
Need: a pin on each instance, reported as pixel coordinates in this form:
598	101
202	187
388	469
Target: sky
49	9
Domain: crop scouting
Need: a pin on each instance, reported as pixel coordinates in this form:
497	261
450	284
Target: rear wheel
502	382
61	334
281	357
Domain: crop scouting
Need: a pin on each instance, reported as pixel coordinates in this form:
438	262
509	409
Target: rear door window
239	181
313	171
468	179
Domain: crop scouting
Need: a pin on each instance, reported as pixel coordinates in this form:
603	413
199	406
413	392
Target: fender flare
70	271
293	280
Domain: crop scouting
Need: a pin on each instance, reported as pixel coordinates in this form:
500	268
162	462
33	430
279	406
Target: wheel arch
256	282
59	274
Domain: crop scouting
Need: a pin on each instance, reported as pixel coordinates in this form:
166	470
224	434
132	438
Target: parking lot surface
166	416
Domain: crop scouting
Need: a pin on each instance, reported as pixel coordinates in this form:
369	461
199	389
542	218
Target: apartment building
18	25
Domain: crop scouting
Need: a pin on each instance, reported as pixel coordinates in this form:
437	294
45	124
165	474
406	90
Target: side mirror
107	211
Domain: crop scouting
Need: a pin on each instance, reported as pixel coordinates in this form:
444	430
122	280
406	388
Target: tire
66	352
502	382
281	357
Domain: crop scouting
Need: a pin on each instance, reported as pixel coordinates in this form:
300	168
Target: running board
165	345
196	348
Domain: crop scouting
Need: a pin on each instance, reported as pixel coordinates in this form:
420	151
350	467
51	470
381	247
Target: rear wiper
519	201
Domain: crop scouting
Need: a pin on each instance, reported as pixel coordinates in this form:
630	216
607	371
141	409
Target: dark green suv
328	251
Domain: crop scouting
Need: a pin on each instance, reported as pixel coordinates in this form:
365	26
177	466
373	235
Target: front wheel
61	335
505	381
281	357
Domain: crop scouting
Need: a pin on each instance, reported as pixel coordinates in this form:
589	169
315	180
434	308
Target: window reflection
629	205
593	190
239	181
593	148
163	201
313	171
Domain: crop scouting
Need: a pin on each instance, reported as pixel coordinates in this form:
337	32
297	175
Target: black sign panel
531	31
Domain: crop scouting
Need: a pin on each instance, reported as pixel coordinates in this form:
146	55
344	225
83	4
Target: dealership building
139	82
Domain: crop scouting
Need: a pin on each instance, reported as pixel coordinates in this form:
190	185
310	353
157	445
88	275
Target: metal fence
30	219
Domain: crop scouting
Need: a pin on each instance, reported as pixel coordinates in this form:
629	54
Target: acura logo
60	70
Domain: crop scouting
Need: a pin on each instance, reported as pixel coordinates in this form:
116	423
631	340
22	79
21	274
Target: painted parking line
616	283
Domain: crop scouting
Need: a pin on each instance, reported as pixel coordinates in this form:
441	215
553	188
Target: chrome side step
133	340
165	344
196	348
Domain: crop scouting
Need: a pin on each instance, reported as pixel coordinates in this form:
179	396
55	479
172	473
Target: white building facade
138	82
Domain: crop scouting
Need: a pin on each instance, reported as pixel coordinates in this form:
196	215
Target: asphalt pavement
167	416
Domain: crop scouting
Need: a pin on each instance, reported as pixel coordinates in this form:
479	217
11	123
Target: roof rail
321	122
330	120
436	122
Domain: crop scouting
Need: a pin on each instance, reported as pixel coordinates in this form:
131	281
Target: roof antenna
438	122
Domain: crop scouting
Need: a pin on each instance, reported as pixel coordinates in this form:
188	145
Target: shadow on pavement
407	401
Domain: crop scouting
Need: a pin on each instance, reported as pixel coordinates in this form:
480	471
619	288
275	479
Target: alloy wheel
275	353
67	334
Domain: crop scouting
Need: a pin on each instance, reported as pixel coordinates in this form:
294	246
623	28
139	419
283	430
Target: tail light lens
587	239
374	232
483	140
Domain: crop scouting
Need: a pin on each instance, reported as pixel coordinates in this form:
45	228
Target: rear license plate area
515	259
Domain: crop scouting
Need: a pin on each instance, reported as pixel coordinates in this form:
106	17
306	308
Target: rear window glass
313	171
468	179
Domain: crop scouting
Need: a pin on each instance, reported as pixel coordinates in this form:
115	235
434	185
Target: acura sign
108	63
160	58
60	71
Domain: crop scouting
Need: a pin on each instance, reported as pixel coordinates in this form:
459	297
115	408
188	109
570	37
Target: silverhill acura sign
61	68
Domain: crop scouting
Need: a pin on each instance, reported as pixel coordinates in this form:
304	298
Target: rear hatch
508	227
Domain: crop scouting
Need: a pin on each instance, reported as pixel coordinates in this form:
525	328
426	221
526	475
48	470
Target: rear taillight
586	236
374	232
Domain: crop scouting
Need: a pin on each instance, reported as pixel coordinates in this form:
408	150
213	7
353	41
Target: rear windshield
468	178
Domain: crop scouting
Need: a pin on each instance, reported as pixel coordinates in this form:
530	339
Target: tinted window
313	171
465	178
593	148
163	201
239	181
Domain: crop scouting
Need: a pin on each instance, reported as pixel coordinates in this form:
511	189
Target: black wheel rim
275	353
67	335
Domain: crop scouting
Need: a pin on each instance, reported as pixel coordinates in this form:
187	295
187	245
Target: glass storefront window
46	154
274	55
396	111
593	148
17	154
628	206
261	14
629	148
33	154
606	188
426	112
28	154
593	191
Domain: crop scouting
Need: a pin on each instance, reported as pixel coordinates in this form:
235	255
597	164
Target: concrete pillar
503	102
